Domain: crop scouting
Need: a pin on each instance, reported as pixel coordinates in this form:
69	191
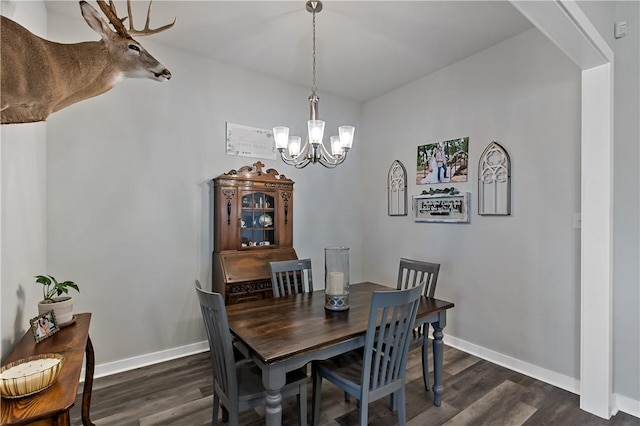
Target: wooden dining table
283	334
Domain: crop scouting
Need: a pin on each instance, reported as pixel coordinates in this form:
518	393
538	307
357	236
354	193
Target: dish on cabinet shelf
265	220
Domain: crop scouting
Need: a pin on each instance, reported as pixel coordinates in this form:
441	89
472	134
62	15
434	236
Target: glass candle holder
336	278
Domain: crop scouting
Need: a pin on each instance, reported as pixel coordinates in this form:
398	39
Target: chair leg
317	395
225	414
402	419
302	404
393	402
363	414
425	359
234	418
216	408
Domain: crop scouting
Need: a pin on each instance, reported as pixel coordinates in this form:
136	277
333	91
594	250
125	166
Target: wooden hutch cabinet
253	225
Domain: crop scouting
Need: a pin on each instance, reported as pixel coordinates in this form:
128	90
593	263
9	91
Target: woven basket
29	375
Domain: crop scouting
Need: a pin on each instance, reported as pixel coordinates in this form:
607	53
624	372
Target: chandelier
313	150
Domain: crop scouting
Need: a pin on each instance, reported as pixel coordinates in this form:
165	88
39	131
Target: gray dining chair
291	277
379	369
239	349
418	273
237	385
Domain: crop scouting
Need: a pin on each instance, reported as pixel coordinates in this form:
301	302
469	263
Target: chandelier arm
328	160
302	165
326	154
332	165
301	160
294	158
328	166
293	161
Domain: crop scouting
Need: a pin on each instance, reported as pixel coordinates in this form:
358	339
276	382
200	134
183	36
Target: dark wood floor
476	392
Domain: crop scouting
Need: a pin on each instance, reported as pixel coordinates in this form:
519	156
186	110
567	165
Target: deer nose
164	74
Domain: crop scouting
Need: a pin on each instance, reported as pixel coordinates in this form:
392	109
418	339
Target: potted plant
52	291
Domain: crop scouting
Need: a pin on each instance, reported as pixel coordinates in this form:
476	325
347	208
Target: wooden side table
51	406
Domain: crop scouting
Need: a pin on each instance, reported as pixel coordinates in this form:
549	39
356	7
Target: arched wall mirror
397	189
494	181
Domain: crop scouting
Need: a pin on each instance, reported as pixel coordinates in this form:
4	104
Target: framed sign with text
246	141
441	208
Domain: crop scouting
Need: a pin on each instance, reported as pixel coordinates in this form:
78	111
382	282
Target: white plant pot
62	308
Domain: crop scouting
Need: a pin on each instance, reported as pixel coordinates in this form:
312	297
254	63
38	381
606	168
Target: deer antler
118	23
146	30
111	14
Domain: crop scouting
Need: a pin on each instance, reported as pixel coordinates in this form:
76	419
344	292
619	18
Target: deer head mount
38	76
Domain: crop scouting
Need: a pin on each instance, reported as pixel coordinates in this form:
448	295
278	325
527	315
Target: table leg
273	380
437	358
62	419
274	408
88	382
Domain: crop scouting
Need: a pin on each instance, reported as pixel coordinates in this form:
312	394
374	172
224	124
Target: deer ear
94	20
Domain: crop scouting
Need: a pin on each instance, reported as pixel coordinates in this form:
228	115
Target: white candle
336	283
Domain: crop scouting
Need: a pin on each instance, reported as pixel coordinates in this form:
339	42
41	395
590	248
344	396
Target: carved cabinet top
254	173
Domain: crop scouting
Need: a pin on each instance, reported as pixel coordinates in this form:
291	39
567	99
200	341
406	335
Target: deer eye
134	47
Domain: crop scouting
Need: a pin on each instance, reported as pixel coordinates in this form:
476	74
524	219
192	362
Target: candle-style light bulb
294	146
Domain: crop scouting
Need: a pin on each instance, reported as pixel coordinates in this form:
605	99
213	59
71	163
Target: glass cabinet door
257	224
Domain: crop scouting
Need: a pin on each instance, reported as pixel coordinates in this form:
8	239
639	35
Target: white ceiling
364	48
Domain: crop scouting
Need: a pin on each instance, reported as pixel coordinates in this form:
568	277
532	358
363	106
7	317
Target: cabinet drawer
248	291
251	265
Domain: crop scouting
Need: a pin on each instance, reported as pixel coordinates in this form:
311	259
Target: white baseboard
621	403
115	367
553	378
626	405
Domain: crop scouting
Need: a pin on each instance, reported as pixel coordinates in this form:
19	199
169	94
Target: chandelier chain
313	85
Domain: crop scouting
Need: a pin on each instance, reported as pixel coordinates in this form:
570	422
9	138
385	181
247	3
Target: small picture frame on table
44	325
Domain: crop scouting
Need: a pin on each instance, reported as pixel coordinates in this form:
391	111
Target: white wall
128	184
515	280
22	204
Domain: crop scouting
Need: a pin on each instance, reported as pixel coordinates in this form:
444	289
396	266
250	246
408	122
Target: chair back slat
414	272
214	315
391	320
291	277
